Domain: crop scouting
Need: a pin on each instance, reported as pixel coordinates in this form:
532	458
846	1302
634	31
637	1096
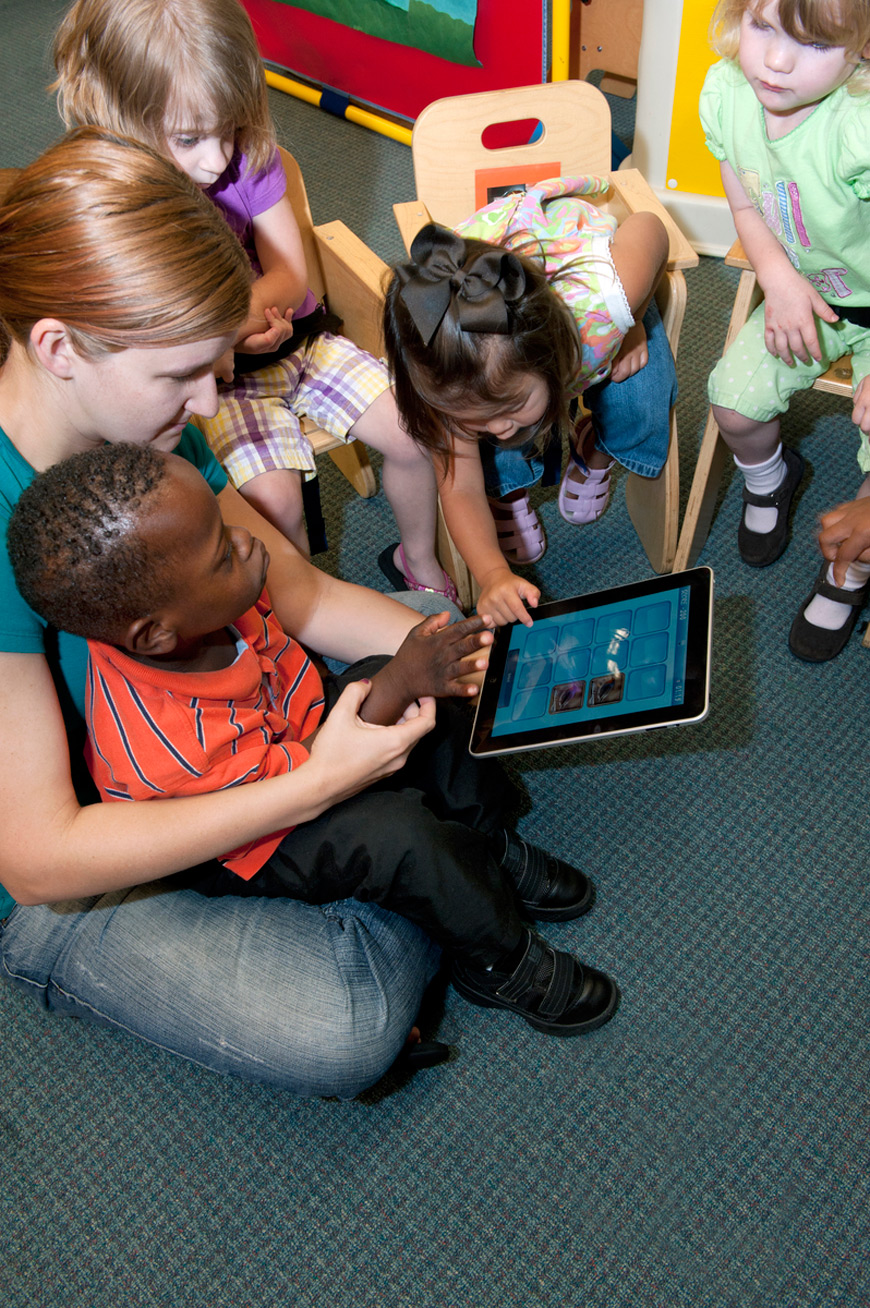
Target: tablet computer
620	660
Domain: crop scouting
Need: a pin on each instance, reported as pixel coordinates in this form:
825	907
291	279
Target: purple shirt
241	196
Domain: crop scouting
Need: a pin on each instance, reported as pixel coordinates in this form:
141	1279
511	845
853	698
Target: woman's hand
353	754
504	596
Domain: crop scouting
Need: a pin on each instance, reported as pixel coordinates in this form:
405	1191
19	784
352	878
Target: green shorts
755	383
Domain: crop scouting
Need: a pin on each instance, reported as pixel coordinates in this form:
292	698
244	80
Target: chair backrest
565	129
298	198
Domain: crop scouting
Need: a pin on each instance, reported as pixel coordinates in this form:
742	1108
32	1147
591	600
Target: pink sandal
520	534
405	579
583	502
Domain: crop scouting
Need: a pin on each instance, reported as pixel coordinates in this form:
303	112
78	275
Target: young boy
193	686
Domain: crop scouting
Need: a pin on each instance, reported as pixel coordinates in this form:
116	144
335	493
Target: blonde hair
140	66
843	23
106	235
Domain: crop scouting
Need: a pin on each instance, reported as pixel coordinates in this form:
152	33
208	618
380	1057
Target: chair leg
353	461
712	457
654	507
454	565
713	451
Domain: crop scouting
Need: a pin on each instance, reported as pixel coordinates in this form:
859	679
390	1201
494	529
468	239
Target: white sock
827	613
763	479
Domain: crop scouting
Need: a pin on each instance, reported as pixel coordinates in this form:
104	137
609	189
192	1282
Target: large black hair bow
436	281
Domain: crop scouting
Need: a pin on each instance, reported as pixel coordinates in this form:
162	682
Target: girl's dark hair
461	368
74	543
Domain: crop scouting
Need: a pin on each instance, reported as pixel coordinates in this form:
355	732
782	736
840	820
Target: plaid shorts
257	428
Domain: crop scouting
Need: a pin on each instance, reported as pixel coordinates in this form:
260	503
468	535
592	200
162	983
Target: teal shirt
810	186
23	632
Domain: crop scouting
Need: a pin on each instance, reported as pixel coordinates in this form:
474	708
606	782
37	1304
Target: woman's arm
790	301
52	849
329	616
283	284
503	595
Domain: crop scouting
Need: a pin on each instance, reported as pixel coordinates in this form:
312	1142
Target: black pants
417	843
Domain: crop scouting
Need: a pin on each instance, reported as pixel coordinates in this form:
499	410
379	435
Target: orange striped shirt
154	733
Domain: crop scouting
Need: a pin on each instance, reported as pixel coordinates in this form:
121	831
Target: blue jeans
631	420
314	999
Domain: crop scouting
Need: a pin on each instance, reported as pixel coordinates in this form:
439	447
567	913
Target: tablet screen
620	660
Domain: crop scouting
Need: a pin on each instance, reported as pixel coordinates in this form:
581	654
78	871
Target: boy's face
213	572
787	75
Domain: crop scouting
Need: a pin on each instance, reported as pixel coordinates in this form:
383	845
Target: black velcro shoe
816	644
760	549
552	990
549	889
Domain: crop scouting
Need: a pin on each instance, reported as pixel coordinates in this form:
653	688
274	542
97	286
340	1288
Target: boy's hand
845	536
633	354
430	662
791	306
504	596
278	330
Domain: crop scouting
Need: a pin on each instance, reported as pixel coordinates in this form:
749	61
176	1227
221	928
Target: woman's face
146	396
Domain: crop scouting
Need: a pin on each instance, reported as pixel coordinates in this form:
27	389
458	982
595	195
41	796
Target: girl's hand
633	354
353	754
791	306
504	596
431	661
861	406
279	329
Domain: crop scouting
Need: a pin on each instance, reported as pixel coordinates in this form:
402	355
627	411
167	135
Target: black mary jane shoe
816	644
549	889
760	549
552	990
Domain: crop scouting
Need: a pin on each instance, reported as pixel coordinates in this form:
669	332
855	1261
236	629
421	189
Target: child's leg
639	251
749	389
258	439
347	393
409	485
508	474
278	496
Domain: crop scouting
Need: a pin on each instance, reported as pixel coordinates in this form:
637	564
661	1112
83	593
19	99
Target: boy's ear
149	637
51	344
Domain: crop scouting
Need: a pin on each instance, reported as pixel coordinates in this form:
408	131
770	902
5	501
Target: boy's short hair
75	546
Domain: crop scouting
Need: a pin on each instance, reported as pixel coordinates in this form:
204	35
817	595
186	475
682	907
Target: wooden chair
454	171
713	451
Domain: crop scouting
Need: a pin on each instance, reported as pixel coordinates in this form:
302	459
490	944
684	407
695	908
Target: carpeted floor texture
707	1149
